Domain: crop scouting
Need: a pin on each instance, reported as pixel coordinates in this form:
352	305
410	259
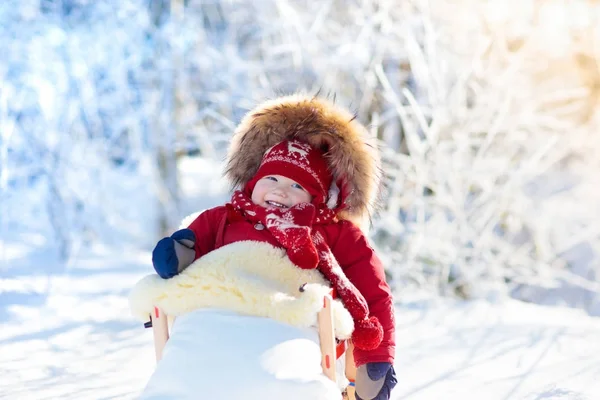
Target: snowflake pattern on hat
303	156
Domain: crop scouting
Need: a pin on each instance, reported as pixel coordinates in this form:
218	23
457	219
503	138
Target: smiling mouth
275	204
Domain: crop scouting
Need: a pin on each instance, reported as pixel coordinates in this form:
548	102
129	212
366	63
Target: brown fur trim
350	150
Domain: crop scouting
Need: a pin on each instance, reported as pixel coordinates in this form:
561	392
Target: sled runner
331	348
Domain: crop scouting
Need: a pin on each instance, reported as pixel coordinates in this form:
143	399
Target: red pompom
368	334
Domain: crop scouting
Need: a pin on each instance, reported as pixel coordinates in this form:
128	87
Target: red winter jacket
213	229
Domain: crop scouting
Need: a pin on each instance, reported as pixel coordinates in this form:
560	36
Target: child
305	171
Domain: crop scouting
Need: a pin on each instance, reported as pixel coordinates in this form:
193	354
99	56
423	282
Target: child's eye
297	186
271	178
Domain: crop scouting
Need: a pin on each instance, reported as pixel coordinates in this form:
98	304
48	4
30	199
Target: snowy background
114	120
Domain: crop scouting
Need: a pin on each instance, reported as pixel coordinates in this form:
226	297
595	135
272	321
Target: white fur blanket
250	278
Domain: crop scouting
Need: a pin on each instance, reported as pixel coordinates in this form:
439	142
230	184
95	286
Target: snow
503	350
241	357
71	336
500	186
66	330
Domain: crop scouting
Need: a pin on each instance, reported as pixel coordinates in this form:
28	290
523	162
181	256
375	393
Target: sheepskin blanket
250	278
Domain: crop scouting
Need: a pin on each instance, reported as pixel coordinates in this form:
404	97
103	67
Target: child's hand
375	381
174	254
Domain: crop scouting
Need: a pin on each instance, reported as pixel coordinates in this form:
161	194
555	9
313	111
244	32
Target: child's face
276	191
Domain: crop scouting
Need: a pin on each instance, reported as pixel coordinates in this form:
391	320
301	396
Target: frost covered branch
487	115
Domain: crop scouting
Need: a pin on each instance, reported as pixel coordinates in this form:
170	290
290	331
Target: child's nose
280	190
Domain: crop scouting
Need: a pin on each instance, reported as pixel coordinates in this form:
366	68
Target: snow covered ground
70	336
504	350
66	331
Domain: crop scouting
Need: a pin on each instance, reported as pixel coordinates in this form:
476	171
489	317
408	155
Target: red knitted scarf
306	248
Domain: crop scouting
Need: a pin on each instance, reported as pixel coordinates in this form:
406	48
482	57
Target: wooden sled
331	350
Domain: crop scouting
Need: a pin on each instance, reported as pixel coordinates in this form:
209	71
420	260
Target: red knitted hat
300	162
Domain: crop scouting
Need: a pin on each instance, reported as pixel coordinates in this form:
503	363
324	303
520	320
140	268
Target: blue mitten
375	381
174	254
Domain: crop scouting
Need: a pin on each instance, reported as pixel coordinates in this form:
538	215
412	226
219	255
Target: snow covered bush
81	104
498	189
487	116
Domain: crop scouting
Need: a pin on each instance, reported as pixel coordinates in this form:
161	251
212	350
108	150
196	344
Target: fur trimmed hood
350	150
